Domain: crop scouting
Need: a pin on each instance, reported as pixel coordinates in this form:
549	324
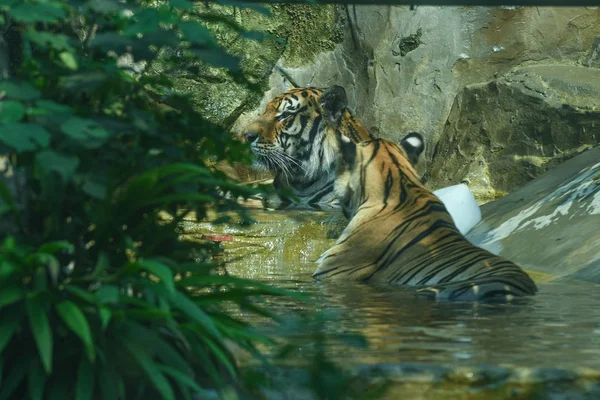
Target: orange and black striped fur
296	138
400	233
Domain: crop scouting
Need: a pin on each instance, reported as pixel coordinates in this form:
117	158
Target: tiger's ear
334	102
414	145
290	83
347	149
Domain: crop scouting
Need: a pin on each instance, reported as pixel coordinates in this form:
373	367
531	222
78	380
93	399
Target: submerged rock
552	224
429	382
503	133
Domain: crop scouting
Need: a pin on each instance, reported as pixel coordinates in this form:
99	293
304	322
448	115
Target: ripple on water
543	337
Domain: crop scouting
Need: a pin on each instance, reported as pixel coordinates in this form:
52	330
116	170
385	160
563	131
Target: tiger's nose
250	136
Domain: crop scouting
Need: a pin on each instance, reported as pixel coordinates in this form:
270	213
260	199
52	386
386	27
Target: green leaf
105	6
101	265
95	189
56	246
87	132
222	220
218	58
24	137
11	111
42	333
53	107
9	244
181	4
108	294
82	294
186	305
180	377
151	369
105	315
19	90
6	270
5	209
76	321
36	380
64	165
37	12
84	387
10	295
208	360
147	20
221	355
68	60
163	348
197	33
40	276
8	327
54	40
162	271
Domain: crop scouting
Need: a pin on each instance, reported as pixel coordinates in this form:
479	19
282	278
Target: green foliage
98	297
165	339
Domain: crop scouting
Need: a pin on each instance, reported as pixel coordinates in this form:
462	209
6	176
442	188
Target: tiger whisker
293	160
279	162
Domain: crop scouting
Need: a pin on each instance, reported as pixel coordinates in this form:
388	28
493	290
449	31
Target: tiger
296	139
400	233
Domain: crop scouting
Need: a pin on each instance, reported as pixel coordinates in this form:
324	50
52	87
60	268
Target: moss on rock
296	32
308	30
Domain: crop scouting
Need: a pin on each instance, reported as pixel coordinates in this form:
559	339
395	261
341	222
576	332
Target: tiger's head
295	136
377	172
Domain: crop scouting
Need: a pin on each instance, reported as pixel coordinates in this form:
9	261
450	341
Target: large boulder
550	225
502	133
403	68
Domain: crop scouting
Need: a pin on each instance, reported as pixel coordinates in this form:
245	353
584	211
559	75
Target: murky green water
558	330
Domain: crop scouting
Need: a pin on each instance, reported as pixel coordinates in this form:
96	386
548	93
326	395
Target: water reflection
560	327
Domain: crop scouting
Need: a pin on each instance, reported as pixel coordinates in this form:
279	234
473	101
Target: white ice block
461	205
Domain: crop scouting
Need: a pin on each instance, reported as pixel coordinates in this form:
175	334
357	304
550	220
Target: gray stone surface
398	80
403	69
502	133
552	224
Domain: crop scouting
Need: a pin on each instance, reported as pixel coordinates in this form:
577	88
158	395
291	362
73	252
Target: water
560	327
557	329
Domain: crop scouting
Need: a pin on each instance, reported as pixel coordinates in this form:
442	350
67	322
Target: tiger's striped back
401	233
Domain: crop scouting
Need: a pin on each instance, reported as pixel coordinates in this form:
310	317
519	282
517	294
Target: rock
402	68
501	134
551	225
428	382
214	91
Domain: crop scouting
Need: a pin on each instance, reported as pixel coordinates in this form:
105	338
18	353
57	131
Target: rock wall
404	70
295	32
502	133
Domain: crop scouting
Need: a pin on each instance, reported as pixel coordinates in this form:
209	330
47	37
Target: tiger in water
296	139
400	233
